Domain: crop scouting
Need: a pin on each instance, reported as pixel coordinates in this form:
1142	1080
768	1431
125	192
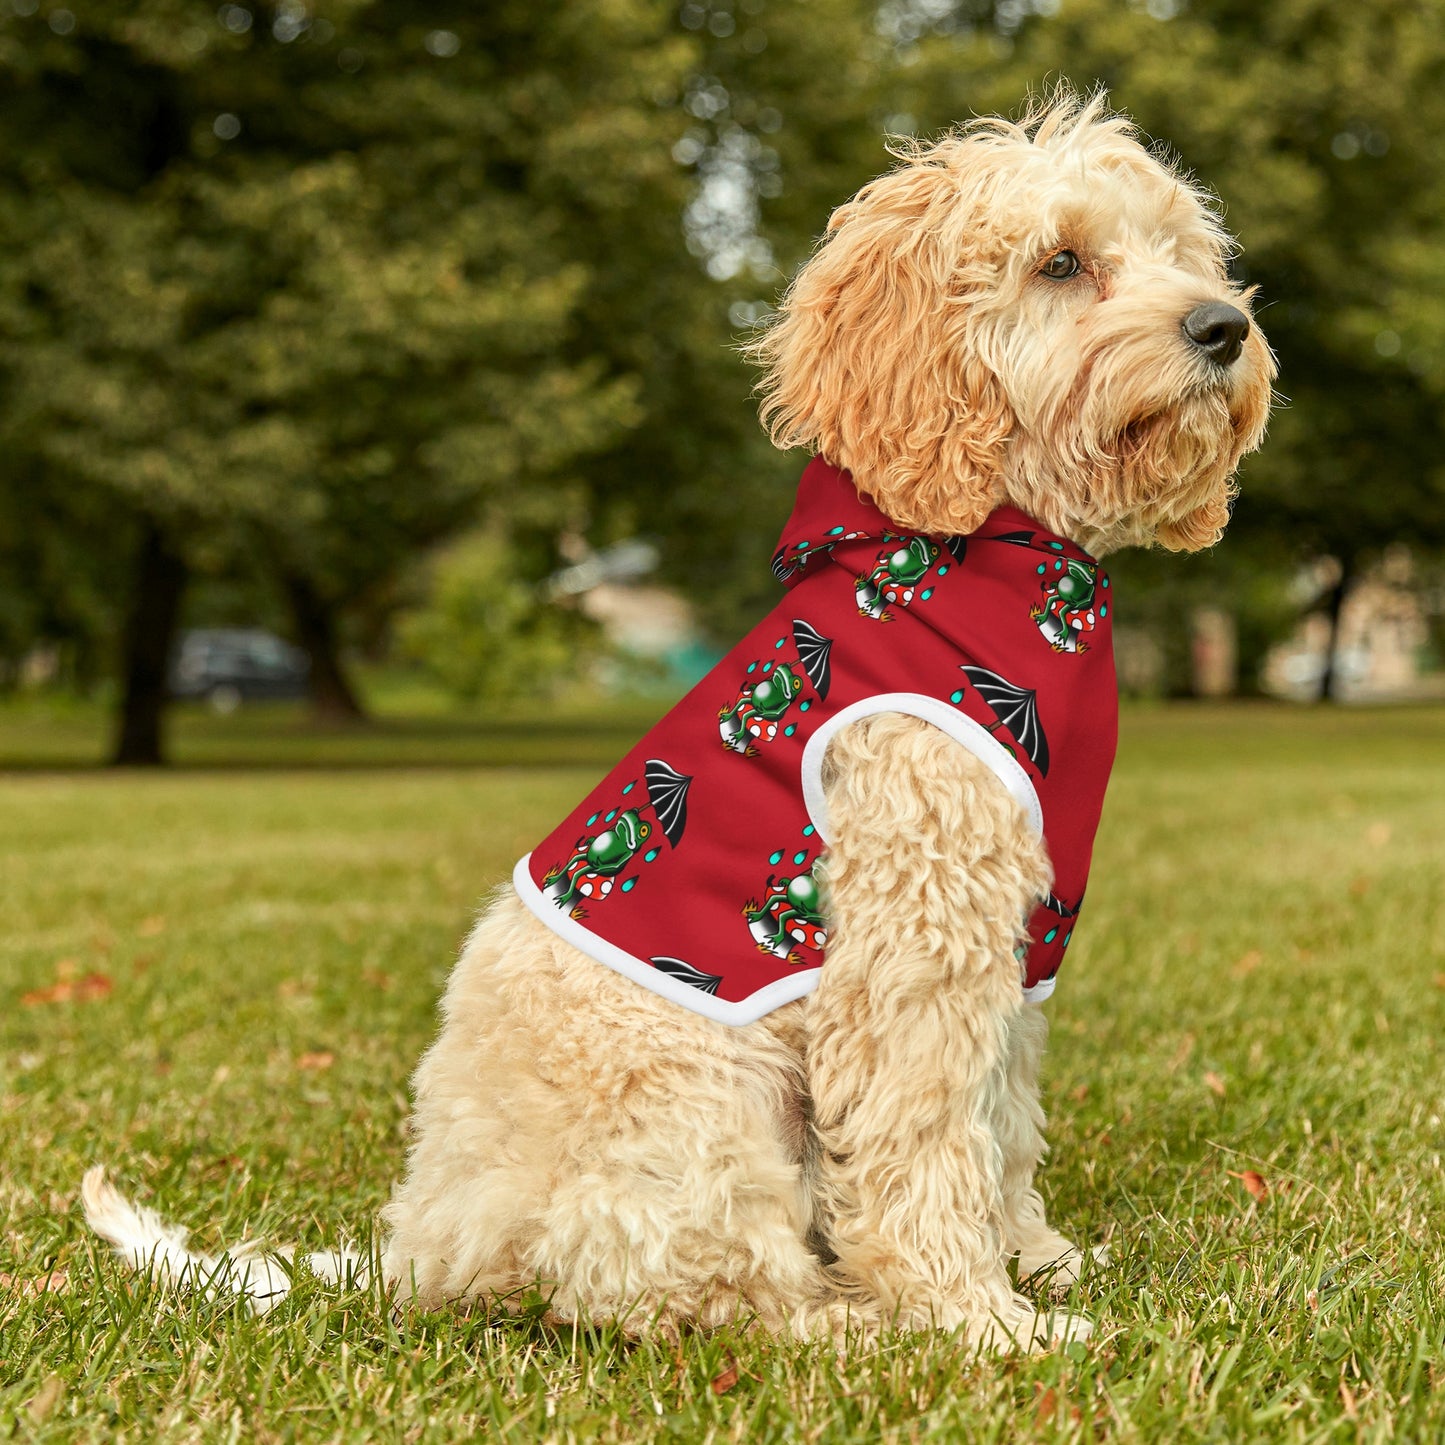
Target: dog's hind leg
932	868
578	1135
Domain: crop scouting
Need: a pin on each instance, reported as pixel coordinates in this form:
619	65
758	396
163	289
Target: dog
1025	320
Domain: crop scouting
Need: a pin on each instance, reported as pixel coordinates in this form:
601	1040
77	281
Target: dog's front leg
1019	1127
932	868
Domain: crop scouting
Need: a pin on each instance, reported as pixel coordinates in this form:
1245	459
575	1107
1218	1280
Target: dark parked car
231	665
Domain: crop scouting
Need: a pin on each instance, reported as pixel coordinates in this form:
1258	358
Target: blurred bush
487	634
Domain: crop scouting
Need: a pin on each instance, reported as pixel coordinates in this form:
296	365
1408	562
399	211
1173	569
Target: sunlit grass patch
217	982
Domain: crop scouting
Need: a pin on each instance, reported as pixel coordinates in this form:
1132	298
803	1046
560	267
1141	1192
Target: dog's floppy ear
872	360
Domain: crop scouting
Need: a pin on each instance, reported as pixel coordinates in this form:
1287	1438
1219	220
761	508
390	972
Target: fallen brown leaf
45	1399
1181	1054
320	1059
1214	1083
56	993
1347	1399
1254	1183
81	990
1080	1094
1440	980
377	978
1360	886
724	1382
1248	963
1046	1408
56	1282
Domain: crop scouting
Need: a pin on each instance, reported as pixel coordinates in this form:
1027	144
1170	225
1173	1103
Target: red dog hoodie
694	866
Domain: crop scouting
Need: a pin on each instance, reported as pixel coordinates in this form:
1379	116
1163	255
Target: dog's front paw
1060	1327
1057	1266
1023	1326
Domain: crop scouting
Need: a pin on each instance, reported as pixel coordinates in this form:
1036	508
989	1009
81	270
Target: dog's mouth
1199	411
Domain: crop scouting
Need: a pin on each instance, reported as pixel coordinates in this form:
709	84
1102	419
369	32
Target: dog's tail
146	1242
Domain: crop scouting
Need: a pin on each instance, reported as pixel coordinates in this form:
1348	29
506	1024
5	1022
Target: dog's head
1035	313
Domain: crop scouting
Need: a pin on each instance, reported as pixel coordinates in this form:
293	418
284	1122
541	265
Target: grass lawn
216	980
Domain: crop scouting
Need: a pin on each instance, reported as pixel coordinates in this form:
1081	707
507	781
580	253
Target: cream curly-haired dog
1032	314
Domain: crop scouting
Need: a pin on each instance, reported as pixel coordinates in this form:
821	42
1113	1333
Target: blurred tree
780	117
290	283
485	633
319	285
59	574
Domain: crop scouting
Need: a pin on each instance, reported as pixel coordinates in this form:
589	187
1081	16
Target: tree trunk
150	629
333	699
1329	678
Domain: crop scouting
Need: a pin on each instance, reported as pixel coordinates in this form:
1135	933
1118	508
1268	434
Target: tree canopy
300	290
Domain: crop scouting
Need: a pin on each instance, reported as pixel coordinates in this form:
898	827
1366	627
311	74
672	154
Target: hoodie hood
832	520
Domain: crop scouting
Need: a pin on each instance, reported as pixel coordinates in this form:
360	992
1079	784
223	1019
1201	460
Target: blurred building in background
1382	650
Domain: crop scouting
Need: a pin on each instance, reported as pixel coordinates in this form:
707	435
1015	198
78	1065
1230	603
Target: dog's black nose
1218	331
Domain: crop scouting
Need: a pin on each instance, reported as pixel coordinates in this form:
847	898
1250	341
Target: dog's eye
1060	266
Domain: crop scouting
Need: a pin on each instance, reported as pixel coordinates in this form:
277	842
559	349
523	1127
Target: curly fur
866	1156
921	349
